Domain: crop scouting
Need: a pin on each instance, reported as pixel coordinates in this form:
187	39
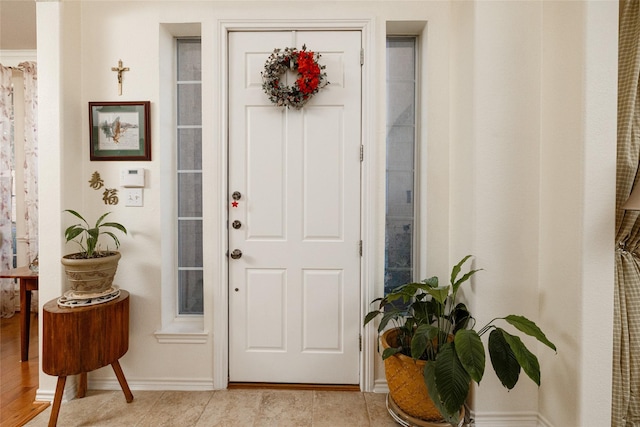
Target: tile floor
238	408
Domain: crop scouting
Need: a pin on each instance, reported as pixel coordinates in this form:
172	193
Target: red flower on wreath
309	72
310	78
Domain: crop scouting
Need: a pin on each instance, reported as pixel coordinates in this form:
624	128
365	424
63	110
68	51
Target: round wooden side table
77	340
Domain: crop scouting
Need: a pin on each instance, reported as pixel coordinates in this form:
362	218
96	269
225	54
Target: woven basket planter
405	379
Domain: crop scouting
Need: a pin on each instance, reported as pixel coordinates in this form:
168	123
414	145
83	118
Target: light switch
133	197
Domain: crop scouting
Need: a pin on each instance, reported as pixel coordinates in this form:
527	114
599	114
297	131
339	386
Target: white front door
294	297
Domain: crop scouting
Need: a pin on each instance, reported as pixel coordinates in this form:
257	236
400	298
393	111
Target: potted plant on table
434	344
91	271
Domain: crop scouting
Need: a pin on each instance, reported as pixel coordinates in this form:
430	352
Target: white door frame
368	217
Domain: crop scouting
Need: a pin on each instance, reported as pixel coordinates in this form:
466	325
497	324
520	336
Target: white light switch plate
133	197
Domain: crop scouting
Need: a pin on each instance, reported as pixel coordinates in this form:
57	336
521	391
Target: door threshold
287	386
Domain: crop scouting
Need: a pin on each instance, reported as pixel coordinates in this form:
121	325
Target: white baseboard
165	384
380	386
45	395
170	384
543	422
70	392
505	419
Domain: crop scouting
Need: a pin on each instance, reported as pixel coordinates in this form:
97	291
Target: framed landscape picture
119	130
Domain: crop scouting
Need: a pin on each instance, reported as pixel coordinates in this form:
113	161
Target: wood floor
18	380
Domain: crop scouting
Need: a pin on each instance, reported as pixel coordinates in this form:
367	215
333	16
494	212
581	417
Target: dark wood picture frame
119	130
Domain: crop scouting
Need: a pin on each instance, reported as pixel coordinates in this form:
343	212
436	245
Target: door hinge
360	341
360	247
361	56
361	153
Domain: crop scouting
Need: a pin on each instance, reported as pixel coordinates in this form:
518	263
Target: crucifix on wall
120	69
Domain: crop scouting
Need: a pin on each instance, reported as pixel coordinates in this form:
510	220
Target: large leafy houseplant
434	326
87	236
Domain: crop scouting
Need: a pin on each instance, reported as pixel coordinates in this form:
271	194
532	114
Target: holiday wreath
310	79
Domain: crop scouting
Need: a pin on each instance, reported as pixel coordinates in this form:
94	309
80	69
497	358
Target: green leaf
434	394
528	327
409	326
370	316
423	335
114	237
72	232
455	282
392	297
464	278
456	268
451	378
420	310
431	282
72	212
382	301
460	317
388	352
93	232
99	221
404	292
386	317
439	294
115	225
470	350
525	358
503	360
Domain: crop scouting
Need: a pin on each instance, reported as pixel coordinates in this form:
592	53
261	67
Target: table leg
25	320
82	385
57	400
123	381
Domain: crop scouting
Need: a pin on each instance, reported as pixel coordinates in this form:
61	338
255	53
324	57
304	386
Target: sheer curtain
7	295
30	184
30	78
626	351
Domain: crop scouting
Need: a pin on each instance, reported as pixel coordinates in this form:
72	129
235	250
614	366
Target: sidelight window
400	235
189	176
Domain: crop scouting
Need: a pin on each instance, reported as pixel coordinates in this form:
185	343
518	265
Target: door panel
323	177
265	175
323	293
266	323
294	300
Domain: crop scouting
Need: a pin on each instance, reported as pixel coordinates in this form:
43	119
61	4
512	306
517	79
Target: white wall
503	178
516	134
58	115
578	149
